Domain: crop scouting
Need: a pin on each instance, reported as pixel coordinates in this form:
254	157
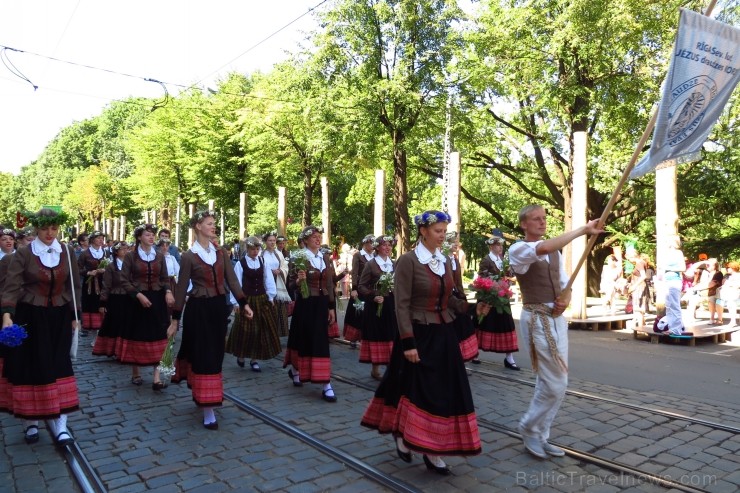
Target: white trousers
552	379
672	318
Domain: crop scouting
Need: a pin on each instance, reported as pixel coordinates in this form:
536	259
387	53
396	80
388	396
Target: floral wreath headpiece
162	242
28	230
494	239
118	245
8	232
309	230
95	234
384	239
199	216
281	238
139	230
253	242
368	239
271	233
430	217
451	236
46	217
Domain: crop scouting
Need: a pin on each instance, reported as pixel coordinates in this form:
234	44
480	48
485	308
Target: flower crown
199	216
95	234
309	230
368	239
384	239
281	238
139	230
28	230
8	232
430	217
46	217
271	233
451	236
494	239
118	245
253	242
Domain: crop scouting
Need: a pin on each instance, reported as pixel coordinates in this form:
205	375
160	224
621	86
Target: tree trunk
307	195
400	193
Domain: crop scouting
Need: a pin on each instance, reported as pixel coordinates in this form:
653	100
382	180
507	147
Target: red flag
20	220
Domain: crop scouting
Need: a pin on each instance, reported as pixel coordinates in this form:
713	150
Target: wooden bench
717	334
606	322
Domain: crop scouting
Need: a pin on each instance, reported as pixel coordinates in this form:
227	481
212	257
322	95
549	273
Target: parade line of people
410	317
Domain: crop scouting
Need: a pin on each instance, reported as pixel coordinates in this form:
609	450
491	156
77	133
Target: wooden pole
242	215
281	212
326	237
379	215
115	230
211	205
122	225
178	223
191	233
222	228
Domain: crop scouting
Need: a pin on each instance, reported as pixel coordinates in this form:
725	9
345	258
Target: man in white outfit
541	277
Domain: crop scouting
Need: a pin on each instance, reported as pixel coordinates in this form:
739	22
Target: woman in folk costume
379	326
204	323
312	278
463	325
352	319
115	306
255	337
144	277
276	263
7	241
339	276
497	333
89	263
41	283
424	399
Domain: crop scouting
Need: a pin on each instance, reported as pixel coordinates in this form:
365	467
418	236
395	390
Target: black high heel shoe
295	384
511	366
444	471
404	456
240	363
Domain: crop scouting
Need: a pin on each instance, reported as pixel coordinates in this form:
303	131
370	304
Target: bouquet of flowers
166	366
495	292
104	262
301	262
13	335
384	287
359	305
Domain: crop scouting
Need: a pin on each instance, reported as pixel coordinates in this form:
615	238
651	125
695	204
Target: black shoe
211	426
404	456
444	471
328	398
353	345
137	380
31	438
511	366
475	361
295	384
157	386
64	438
240	363
255	366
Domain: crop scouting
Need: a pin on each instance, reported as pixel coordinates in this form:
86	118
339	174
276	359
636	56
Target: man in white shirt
539	271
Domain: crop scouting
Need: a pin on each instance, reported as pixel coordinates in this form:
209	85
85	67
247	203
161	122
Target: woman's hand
482	309
143	300
301	275
378	299
7	321
353	294
102	310
276	271
412	355
235	308
332	316
172	329
248	311
169	299
75	325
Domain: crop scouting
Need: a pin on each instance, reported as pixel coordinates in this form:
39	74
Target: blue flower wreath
13	335
431	217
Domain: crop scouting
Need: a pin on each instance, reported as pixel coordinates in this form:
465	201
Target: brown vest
541	283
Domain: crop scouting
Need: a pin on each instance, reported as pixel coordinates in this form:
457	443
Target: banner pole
625	176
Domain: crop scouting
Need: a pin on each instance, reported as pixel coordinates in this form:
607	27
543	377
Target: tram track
84	474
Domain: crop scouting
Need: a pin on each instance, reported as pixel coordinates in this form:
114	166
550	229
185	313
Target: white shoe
551	449
532	444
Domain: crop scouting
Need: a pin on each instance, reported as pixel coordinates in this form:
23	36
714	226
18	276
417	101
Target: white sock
328	391
436	460
27	423
401	446
296	377
59	425
208	416
510	358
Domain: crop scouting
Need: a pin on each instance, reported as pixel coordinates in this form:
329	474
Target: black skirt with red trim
352	322
378	331
40	383
308	340
428	404
144	338
497	333
115	322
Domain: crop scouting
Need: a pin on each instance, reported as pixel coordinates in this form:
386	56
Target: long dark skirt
352	322
40	380
281	315
497	333
201	354
378	332
428	404
255	338
91	317
308	341
144	338
466	337
115	322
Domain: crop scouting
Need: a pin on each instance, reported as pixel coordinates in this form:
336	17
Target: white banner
704	71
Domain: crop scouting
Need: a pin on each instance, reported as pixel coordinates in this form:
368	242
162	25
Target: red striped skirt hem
43	401
376	352
104	346
144	353
313	369
469	348
208	390
422	431
333	330
505	342
92	321
352	333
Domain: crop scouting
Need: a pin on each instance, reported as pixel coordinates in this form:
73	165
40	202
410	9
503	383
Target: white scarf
96	254
48	254
385	265
207	255
317	260
435	261
496	260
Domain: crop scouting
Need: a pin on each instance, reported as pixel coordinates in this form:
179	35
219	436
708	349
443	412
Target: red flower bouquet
496	293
